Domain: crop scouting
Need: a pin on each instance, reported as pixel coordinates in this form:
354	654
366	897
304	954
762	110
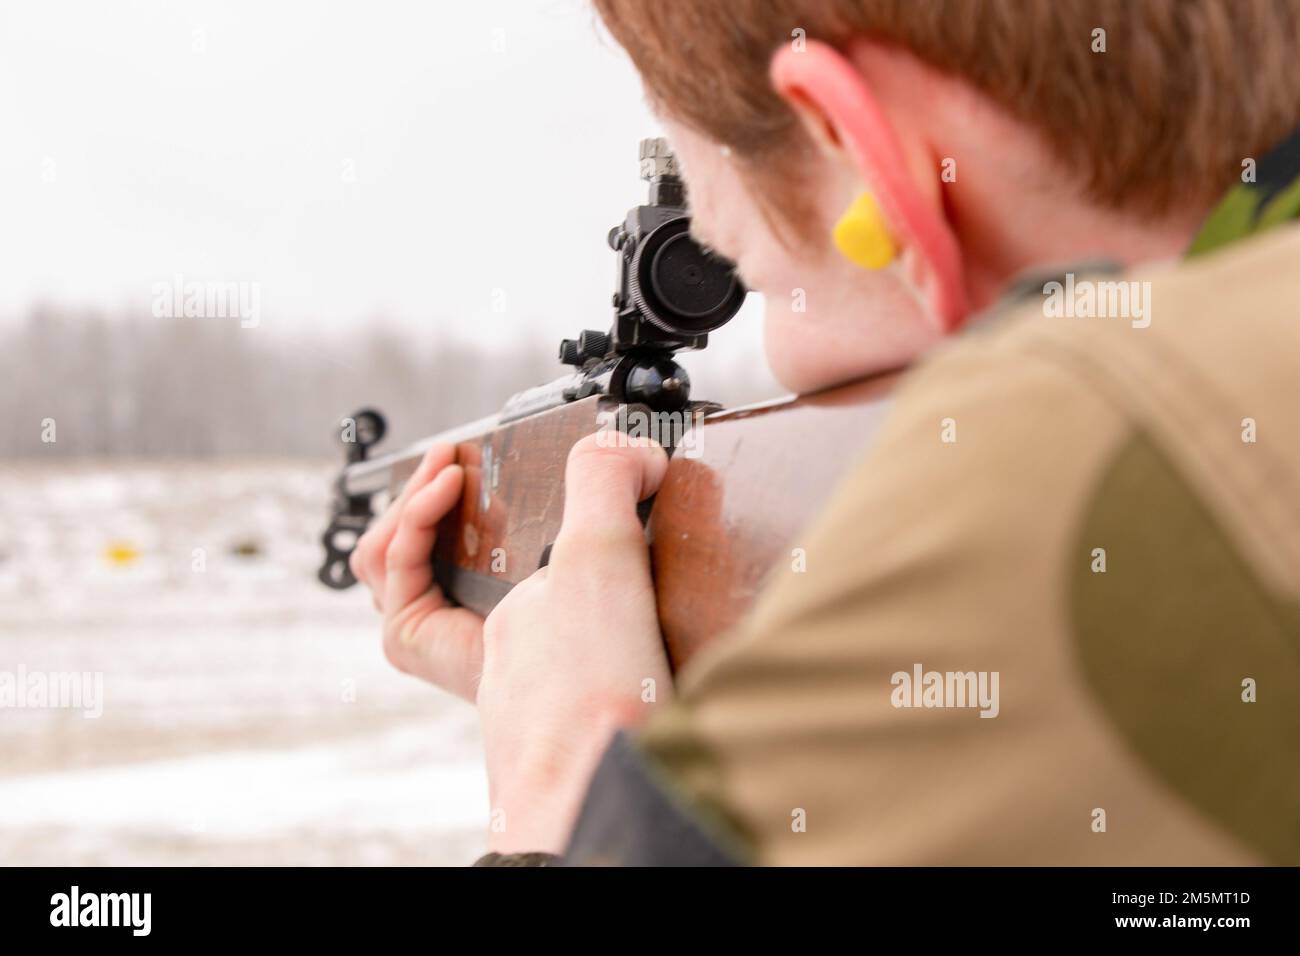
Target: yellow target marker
120	554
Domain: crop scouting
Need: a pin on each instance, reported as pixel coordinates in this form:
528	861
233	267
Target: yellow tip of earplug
862	237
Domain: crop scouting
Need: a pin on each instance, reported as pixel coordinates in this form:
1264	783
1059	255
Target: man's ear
845	119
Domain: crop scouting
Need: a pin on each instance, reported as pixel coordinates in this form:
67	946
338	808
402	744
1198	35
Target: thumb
607	474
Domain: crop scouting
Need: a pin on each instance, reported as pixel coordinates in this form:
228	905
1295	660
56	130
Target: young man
1054	616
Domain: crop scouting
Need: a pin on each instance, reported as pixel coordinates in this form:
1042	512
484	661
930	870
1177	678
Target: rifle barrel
375	474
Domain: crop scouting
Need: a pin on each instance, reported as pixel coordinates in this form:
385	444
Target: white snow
248	714
354	787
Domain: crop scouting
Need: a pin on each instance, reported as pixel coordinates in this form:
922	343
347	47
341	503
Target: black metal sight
671	291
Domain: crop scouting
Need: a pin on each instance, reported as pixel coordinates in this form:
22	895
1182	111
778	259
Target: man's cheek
773	274
708	231
784	344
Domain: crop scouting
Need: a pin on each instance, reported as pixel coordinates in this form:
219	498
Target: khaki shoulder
958	545
1208	370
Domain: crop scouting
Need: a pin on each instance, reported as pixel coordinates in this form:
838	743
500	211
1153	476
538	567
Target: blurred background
398	204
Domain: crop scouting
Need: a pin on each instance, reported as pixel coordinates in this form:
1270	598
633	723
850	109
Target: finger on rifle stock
407	568
370	557
603	482
439	644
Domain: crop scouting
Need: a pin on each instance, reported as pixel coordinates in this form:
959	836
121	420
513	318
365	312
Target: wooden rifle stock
727	515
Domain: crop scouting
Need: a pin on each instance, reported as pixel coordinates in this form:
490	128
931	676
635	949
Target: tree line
81	384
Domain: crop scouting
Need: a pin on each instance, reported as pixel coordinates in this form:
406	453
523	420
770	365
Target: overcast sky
405	159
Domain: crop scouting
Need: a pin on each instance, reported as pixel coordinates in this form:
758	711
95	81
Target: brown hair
1163	119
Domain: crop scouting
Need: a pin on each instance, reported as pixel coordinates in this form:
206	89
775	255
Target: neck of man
1005	235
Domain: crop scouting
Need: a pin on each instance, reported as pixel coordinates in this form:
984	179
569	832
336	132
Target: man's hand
570	655
574	652
423	634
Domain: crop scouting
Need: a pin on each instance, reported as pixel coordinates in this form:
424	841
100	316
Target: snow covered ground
248	715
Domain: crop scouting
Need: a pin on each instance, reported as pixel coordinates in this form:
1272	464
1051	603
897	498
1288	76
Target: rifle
740	485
